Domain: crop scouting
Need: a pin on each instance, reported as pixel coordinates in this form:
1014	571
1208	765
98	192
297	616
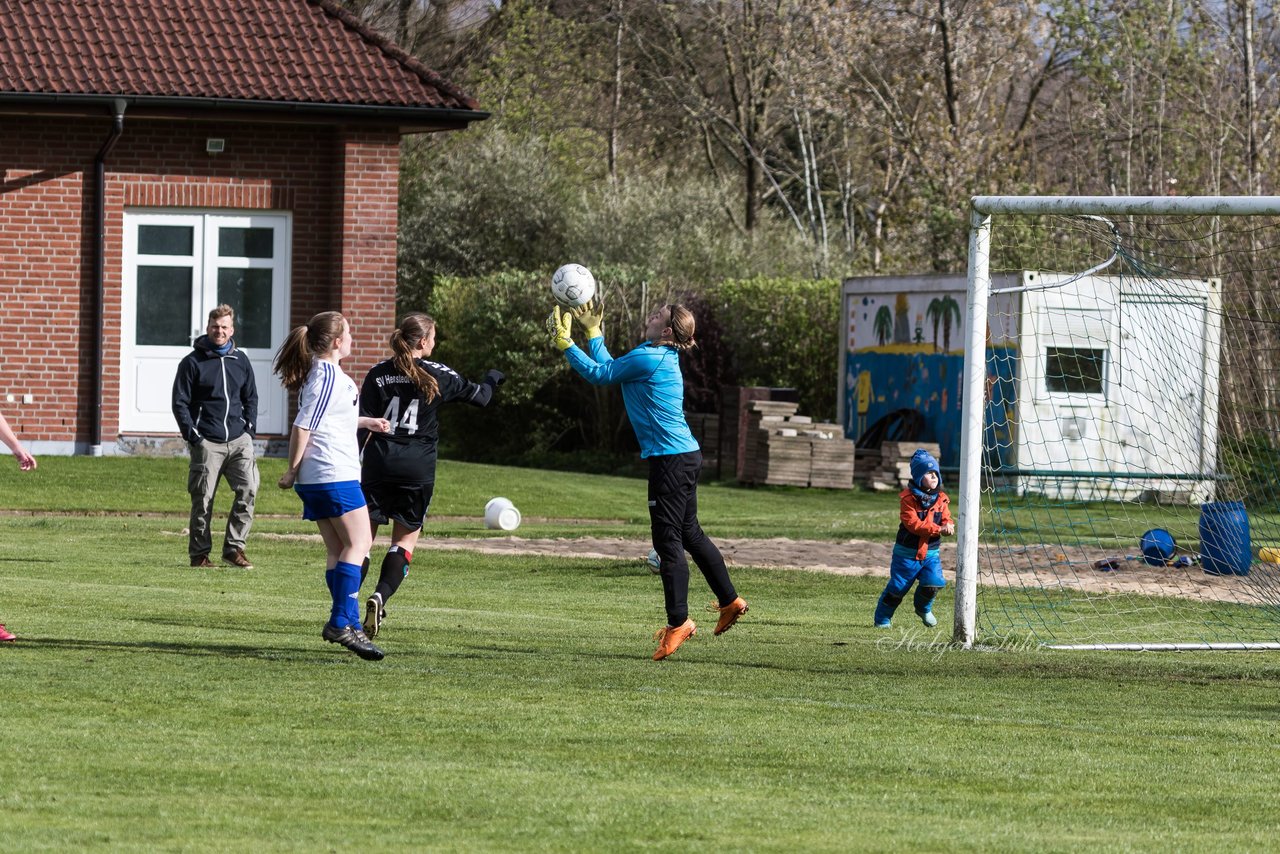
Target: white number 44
410	420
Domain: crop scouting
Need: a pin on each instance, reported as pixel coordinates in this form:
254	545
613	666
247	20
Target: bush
783	333
773	332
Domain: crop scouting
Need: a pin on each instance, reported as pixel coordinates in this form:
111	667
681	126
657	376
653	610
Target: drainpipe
99	277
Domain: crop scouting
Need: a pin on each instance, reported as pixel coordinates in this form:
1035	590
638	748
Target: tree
883	325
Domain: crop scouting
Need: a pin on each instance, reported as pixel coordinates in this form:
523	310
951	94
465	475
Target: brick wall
339	184
368	196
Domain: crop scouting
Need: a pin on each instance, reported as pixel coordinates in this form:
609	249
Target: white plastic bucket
502	514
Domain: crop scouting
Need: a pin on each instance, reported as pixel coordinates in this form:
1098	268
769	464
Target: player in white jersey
399	471
26	462
324	464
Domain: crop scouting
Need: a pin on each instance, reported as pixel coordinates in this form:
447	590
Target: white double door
177	267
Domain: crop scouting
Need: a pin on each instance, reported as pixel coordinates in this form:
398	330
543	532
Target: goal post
1121	423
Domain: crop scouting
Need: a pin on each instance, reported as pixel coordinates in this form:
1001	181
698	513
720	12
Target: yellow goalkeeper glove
558	326
591	318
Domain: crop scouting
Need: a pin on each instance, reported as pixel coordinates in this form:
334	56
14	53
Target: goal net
1120	471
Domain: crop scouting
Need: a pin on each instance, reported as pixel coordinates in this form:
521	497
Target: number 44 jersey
408	453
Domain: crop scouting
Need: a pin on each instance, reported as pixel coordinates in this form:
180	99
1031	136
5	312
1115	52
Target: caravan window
1074	370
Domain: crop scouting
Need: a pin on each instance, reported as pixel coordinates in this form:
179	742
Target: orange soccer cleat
669	638
729	615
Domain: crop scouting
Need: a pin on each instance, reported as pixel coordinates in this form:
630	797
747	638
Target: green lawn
154	707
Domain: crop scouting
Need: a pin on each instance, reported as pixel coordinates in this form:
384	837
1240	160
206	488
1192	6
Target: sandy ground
1027	567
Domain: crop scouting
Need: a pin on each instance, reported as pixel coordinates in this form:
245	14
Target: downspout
99	276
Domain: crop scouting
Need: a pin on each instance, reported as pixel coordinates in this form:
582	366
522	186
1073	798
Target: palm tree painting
934	314
883	324
949	308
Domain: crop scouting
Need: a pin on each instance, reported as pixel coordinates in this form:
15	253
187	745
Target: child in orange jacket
925	511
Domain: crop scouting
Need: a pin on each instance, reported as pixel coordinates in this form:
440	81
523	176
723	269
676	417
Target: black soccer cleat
353	639
374	614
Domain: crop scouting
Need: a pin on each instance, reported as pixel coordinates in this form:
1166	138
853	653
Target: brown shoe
237	558
729	615
202	562
669	638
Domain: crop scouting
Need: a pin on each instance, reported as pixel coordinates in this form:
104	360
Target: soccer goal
1120	455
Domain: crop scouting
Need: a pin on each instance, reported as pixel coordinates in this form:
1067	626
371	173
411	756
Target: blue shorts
329	500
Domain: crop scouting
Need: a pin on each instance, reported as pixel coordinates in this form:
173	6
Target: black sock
395	566
364	570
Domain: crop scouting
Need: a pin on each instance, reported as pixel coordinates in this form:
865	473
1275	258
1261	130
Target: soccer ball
573	285
654	562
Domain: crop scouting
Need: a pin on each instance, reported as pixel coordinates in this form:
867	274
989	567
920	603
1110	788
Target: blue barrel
1225	547
1158	547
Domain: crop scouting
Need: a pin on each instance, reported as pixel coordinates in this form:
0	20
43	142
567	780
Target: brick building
158	157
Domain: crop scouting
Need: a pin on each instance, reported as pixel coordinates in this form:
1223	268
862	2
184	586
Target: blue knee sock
346	593
335	614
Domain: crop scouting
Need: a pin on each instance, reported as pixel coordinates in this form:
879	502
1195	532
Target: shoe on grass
6	635
927	618
236	557
884	624
729	615
202	562
353	639
669	638
374	614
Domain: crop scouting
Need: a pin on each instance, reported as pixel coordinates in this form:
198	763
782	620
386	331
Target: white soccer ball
573	285
655	563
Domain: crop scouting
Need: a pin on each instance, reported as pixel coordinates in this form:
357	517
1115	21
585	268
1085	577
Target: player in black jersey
398	472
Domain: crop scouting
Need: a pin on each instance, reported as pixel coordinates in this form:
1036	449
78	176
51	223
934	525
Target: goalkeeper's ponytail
682	327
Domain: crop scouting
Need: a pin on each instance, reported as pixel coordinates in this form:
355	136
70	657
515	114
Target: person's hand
26	462
374	425
495	377
590	317
558	327
286	480
949	529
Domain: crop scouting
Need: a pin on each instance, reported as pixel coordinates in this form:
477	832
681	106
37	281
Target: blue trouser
904	571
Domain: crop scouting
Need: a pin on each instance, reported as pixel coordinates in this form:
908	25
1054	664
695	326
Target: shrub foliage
776	332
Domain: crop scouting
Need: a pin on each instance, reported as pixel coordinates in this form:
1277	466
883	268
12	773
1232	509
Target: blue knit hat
922	462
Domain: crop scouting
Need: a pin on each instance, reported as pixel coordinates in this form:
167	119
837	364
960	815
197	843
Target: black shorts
406	503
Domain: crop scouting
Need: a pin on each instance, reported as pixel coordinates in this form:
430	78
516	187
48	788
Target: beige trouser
210	461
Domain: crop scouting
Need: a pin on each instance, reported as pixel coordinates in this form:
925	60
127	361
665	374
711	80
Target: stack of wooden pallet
769	457
890	469
833	459
787	449
706	429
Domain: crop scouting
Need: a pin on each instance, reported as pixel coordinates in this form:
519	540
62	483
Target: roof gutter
306	109
99	275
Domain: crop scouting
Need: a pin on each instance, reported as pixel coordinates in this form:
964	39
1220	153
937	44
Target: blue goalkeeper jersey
652	389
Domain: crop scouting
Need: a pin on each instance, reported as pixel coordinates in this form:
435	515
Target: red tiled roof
300	51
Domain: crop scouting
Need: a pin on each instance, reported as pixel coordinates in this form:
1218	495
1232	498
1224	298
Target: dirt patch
1028	567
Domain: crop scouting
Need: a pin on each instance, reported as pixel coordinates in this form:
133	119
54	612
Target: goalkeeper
925	514
653	392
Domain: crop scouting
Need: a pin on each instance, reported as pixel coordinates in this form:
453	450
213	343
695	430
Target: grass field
153	707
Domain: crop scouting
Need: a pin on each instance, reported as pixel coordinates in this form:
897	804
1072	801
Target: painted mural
906	351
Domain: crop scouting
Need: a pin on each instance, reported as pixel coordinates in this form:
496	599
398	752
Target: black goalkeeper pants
673	516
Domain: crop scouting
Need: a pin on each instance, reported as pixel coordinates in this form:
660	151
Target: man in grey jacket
215	400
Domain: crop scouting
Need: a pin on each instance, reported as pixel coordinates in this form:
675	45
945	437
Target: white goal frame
979	285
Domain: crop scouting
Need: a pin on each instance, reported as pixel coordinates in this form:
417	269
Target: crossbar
1067	205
